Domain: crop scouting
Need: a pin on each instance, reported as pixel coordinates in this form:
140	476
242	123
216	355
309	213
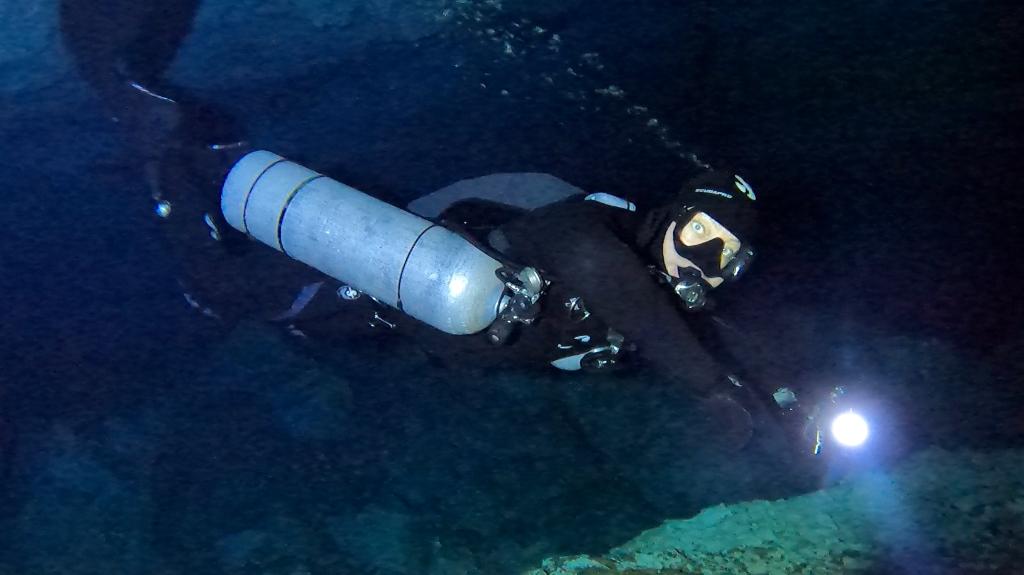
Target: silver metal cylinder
399	258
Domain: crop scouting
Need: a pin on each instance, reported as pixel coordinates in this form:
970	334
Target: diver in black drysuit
616	294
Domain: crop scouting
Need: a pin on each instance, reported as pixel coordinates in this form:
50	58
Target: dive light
845	426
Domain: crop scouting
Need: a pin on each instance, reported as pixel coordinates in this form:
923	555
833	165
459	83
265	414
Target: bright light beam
850	429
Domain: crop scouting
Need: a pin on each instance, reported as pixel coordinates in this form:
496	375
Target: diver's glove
731	407
797	423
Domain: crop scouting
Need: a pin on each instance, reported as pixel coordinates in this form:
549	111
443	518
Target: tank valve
520	303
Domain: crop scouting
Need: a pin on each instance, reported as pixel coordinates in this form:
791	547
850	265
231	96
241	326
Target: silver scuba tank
399	258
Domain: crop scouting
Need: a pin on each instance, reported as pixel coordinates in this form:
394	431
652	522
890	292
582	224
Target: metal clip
378	320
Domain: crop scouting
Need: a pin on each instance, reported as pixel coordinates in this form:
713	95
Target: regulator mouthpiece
689	286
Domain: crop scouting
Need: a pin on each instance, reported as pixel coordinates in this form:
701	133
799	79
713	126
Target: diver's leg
98	35
116	40
185	148
122	49
181	147
166	25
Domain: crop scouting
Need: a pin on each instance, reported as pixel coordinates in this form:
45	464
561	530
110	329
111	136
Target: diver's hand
729	410
792	420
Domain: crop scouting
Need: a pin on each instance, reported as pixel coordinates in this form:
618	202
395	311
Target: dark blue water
138	437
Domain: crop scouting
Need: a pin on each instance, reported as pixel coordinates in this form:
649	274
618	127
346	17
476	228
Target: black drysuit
595	255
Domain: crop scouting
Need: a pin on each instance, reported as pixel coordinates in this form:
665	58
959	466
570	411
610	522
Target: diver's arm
618	288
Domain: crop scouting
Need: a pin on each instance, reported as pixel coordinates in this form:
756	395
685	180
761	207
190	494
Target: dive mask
708	256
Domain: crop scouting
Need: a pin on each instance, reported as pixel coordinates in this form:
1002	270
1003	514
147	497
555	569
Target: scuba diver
583	282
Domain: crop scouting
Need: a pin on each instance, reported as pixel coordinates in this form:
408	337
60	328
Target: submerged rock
385	540
82	512
279	546
939	512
